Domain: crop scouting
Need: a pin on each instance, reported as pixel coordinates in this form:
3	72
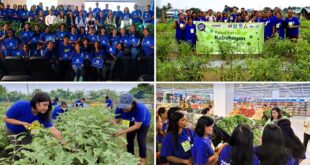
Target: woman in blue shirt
292	141
269	26
190	33
23	113
273	150
292	29
148	16
73	36
202	150
240	149
59	109
280	25
77	63
103	39
26	34
147	43
114	39
179	28
177	143
137	118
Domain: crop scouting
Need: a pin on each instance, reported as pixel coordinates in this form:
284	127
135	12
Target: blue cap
125	102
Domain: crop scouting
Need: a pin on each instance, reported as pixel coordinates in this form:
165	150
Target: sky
121	87
218	5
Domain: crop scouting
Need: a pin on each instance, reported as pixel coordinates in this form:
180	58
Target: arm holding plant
56	133
136	126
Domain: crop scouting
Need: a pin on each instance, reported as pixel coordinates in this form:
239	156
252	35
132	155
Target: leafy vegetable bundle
228	124
88	140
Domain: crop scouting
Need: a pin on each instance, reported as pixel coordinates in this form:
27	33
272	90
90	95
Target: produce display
228	124
248	112
87	135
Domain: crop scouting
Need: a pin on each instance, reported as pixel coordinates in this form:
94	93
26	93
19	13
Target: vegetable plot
228	124
88	140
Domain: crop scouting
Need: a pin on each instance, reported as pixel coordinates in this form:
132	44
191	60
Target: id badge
192	31
278	25
186	145
181	25
290	24
126	123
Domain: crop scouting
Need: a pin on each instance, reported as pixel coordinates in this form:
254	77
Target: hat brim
124	106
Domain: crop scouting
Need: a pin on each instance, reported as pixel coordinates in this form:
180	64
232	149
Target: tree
143	91
196	10
3	94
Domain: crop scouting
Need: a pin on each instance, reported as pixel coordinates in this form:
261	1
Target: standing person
106	10
273	150
176	145
111	19
280	25
50	19
292	29
126	18
63	107
64	51
90	21
240	149
100	20
148	16
276	114
22	114
147	43
292	142
61	18
159	136
136	15
179	28
202	150
137	118
269	26
70	21
190	33
77	63
307	132
118	15
233	17
80	20
96	10
108	102
210	16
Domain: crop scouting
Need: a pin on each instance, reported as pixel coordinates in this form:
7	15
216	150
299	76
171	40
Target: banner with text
242	38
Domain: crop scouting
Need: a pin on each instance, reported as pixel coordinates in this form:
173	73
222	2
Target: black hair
279	112
173	126
107	97
272	151
56	99
42	97
202	123
161	110
83	99
172	110
241	142
205	111
63	103
180	14
292	142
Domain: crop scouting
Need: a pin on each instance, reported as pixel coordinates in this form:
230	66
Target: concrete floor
298	126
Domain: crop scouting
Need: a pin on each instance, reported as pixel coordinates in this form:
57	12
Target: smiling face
42	107
275	114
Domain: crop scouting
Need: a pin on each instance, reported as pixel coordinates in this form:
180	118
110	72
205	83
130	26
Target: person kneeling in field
22	115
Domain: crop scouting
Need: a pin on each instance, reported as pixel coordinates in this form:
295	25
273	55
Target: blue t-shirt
114	40
104	40
74	37
10	43
109	103
190	33
105	12
98	54
280	27
126	16
65	51
92	37
125	40
201	150
22	111
78	103
26	36
118	15
147	16
147	43
233	17
77	59
138	14
180	34
292	32
139	114
269	24
96	11
169	147
60	35
225	157
57	111
203	19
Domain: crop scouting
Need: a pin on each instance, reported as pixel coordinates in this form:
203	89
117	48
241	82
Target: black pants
306	139
141	137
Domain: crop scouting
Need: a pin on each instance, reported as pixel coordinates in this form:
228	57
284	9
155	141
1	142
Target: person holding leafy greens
276	114
136	117
21	117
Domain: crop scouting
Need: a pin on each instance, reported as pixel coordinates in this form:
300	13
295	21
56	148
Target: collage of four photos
145	82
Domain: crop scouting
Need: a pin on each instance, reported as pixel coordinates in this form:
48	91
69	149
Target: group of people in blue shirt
274	22
81	50
182	145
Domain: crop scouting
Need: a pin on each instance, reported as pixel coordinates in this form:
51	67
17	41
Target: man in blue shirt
59	109
148	43
269	26
108	102
80	103
64	52
136	15
96	10
179	28
106	11
233	17
148	16
137	118
118	15
292	29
